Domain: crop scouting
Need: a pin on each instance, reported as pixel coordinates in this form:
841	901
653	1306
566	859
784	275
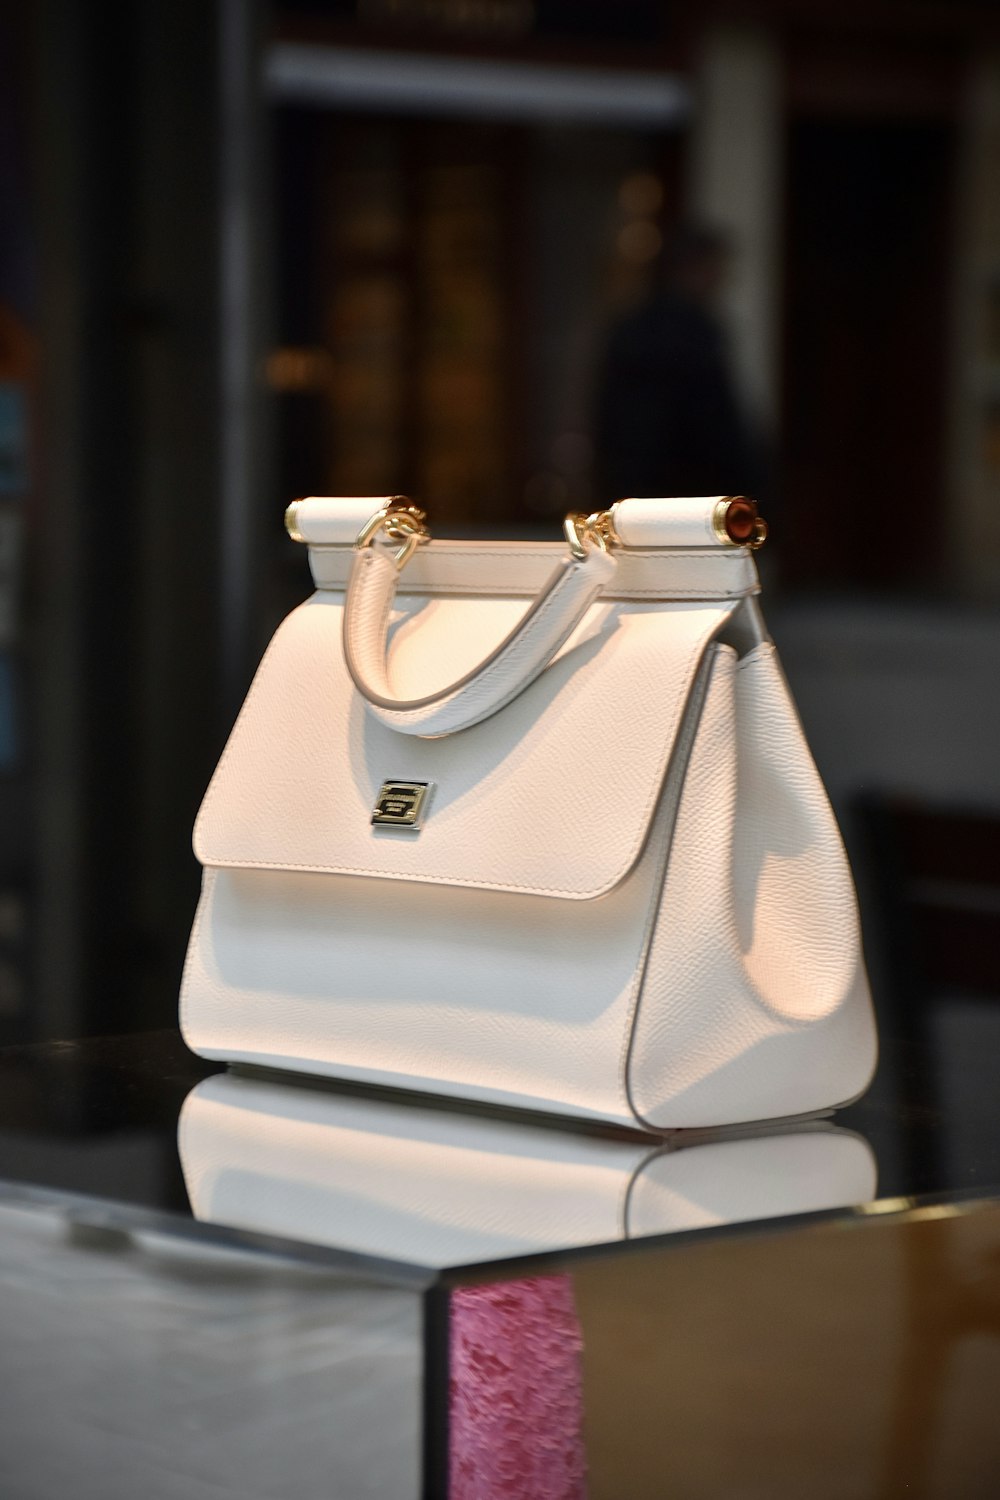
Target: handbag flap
552	796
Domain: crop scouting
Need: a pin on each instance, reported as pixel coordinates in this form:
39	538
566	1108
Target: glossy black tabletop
99	1117
218	1284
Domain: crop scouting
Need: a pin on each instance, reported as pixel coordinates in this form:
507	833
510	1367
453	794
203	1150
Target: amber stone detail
741	520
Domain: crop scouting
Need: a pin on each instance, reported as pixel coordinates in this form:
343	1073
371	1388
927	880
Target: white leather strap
519	570
505	673
677	523
684	521
333	520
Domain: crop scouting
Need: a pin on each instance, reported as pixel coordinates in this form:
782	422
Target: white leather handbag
534	825
442	1188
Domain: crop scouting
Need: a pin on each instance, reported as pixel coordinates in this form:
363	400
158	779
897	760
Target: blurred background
511	257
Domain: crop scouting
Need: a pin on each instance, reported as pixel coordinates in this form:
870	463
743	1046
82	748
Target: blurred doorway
442	297
866	354
442	294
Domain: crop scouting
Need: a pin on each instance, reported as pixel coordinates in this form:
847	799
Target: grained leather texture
335	519
511	999
754	983
508	669
682	522
301	773
628	901
439	1188
521	569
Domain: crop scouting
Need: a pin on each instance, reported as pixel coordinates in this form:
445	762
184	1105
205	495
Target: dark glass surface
851	1353
99	1117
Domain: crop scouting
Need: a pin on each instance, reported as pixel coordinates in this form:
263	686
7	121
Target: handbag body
532	825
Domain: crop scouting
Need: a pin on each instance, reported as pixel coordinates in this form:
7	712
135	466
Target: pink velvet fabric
516	1394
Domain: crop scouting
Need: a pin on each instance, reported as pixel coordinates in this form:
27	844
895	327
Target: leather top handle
560	606
506	672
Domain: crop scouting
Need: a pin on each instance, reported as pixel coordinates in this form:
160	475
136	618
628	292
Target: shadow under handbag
534	825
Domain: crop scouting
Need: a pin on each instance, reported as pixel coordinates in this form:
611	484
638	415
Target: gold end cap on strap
292	521
736	523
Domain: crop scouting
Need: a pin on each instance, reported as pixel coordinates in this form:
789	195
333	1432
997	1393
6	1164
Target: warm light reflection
292	369
641	194
639	242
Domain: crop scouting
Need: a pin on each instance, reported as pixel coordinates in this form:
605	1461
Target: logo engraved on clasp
400	804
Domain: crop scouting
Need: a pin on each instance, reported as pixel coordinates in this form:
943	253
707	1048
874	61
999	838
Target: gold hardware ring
598	529
403	522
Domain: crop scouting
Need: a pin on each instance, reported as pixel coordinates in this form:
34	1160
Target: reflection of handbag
440	1188
541	830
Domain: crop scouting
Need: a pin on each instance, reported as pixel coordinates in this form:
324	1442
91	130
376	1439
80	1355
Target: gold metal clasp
401	521
401	804
597	529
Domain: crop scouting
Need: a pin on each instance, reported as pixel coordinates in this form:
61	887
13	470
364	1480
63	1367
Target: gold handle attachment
597	529
402	521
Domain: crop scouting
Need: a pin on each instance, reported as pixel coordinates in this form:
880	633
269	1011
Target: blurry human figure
669	419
